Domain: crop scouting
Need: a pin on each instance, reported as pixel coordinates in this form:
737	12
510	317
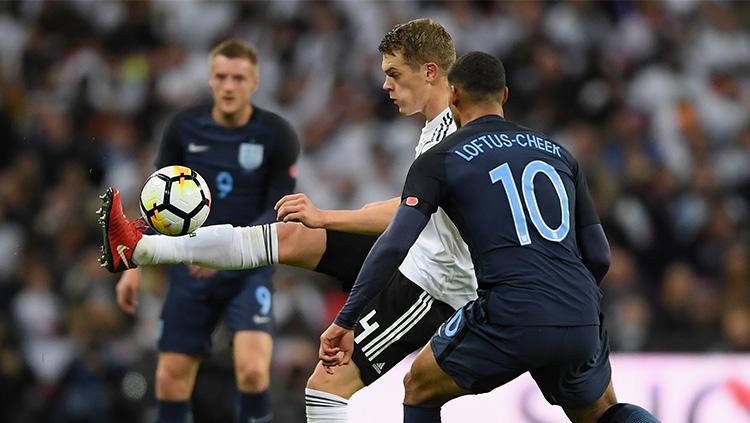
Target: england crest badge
250	155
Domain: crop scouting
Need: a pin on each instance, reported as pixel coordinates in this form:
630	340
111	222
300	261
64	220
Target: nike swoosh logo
121	251
261	319
197	148
265	419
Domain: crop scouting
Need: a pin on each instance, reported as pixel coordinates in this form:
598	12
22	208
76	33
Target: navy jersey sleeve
282	176
382	261
170	148
585	211
592	242
425	182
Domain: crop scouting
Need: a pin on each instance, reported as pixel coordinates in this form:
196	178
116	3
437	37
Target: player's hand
127	290
336	346
299	208
201	272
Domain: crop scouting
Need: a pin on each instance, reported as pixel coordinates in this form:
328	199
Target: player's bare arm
372	219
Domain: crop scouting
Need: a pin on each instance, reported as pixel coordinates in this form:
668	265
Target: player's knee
173	383
317	381
252	377
321	380
287	232
289	236
342	383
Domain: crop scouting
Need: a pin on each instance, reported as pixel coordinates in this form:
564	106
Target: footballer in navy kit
248	168
521	203
247	157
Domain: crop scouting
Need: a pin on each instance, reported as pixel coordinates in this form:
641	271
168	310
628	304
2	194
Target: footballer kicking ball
175	200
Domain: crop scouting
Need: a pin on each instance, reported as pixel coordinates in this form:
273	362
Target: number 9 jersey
248	167
518	199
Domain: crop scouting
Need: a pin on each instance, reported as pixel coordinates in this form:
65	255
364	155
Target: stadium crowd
653	97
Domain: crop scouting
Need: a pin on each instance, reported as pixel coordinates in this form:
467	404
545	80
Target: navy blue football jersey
518	199
248	168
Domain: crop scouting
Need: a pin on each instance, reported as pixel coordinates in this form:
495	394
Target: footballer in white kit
436	278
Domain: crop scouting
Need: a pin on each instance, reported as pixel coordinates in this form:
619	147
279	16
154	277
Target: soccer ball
175	200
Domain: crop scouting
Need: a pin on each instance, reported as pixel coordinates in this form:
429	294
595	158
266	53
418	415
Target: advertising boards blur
684	388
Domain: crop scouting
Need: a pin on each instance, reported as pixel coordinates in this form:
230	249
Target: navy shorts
193	307
570	364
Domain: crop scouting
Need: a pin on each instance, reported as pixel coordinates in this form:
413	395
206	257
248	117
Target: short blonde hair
420	41
234	48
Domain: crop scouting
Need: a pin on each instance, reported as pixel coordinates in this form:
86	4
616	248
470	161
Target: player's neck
476	111
239	118
439	100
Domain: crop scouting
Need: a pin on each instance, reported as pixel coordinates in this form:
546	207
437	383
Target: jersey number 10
503	174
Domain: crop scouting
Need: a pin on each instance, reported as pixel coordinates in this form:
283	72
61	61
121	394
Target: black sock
627	413
418	414
256	406
175	412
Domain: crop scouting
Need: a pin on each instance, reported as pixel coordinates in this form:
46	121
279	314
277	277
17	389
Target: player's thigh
427	384
175	375
343	381
398	321
579	376
190	313
299	245
477	355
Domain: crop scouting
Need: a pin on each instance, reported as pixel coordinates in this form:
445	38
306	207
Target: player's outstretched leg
221	247
120	235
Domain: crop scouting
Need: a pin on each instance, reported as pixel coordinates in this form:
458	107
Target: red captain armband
416	203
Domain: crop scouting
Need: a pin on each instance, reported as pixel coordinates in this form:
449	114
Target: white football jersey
439	261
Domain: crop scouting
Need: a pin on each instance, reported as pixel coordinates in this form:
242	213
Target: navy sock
255	406
174	412
627	413
417	414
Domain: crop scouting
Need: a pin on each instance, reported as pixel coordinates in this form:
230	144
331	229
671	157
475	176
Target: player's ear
455	96
256	82
505	96
432	71
254	77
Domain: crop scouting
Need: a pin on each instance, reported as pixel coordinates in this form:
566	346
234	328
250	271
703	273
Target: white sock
219	246
324	407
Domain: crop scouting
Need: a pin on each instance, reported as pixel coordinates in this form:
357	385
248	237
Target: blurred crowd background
652	97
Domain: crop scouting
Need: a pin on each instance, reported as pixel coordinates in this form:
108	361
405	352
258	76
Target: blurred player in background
247	156
539	262
436	277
